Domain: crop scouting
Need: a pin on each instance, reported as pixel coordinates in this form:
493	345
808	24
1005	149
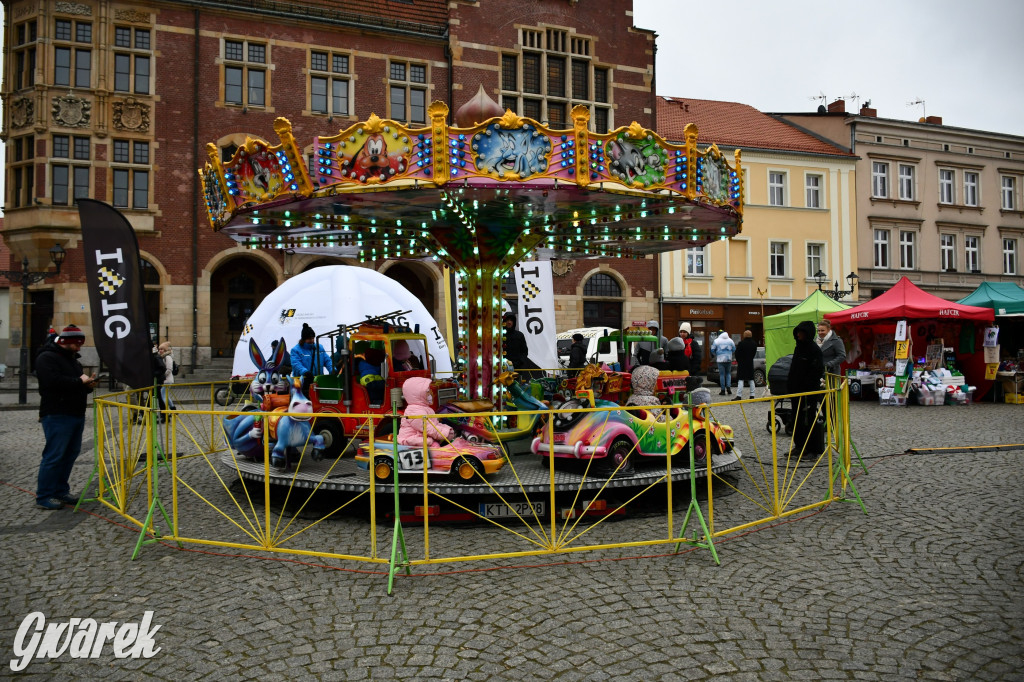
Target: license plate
500	510
559	439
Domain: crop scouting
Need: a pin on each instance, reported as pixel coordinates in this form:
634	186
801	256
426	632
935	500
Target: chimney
868	111
934	120
837	107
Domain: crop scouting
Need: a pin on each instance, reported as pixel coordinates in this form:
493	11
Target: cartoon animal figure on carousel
372	162
273	391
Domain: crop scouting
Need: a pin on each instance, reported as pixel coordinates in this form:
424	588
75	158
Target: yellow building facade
799	220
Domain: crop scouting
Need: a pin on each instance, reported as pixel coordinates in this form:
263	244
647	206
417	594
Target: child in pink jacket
416	392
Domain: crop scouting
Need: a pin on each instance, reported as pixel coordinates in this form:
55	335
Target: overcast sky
965	59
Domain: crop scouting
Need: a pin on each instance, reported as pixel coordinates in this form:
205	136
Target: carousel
478	195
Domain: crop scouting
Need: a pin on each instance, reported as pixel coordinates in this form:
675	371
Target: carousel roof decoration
479	196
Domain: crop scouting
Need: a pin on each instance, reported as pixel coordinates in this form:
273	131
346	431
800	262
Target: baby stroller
778	381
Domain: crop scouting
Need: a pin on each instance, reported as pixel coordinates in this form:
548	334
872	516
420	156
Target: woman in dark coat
745	352
805	374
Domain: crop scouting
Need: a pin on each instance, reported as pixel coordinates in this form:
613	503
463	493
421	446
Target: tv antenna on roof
856	100
915	103
820	97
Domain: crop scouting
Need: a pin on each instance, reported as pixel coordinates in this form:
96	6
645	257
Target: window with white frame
555	71
1008	201
777	256
72	63
970	188
908	249
1010	266
972	253
130	164
696	260
407	92
881	243
906	182
947	252
815	258
245	73
69	169
329	83
880	180
813	186
776	188
132	60
946	194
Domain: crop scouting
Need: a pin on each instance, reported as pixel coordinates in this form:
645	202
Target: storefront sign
702	312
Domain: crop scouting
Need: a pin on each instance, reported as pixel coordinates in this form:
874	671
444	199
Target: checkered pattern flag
529	290
110	281
120	329
247	329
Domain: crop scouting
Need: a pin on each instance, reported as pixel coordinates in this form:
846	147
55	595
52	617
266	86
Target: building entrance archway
236	288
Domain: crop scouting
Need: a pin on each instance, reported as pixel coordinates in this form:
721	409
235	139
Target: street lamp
26	279
836	293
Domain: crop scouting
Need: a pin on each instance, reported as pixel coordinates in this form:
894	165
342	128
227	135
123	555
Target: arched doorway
417	280
151	297
236	288
602	302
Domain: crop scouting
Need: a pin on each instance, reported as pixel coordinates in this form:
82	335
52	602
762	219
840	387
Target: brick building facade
116	101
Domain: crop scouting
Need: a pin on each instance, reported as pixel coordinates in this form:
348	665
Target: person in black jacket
516	350
577	353
63	390
805	374
745	352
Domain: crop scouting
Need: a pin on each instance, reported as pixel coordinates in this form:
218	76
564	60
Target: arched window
602	302
602	285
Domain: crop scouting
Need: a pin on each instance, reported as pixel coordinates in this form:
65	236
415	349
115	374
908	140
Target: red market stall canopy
905	301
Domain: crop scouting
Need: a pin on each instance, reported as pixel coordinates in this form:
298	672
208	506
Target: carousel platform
523	474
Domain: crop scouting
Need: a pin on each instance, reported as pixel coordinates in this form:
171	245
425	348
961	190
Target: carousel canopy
1005	298
490	193
905	301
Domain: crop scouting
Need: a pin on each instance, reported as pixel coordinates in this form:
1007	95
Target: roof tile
730	124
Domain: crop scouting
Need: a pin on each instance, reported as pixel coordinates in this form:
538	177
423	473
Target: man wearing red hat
63	387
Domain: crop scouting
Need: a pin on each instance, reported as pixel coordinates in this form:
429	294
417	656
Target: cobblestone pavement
928	585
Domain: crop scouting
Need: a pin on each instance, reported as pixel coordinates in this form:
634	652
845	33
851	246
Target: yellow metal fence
172	473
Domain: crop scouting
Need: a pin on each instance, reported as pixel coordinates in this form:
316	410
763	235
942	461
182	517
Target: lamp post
760	294
835	293
26	278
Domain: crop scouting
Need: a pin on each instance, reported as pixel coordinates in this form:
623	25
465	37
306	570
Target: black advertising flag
120	327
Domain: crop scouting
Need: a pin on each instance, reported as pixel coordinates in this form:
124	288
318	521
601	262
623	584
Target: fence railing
582	479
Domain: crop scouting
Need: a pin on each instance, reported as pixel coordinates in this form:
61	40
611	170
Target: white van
590	336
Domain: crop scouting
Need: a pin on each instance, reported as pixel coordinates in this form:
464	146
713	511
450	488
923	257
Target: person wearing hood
516	350
418	403
833	350
643	349
723	349
401	356
805	374
309	357
63	393
643	381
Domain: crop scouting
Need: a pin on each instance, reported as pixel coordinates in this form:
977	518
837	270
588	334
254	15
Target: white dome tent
326	297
